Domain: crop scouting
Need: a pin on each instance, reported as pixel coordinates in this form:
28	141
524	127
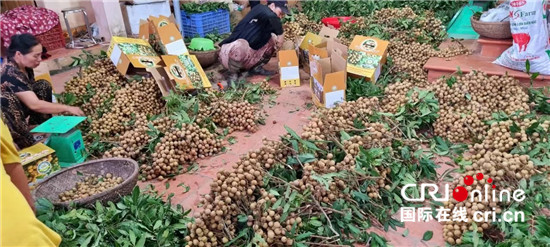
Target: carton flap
325	68
144	29
327	32
176	71
143	61
338	63
333	46
162	79
310	38
288	58
317	52
335	81
161	20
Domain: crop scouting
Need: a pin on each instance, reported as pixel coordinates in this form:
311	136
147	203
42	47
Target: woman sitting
26	101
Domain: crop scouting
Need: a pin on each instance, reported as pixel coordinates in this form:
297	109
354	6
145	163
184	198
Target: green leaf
141	242
167	185
242	218
132	237
360	196
405	233
274	192
344	136
451	81
306	158
427	235
527	66
468	96
310	145
303	236
515	128
292	133
405	153
315	223
157	224
231	140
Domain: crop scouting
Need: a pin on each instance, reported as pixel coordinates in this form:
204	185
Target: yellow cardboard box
366	56
163	35
38	162
328	81
289	68
186	71
314	39
130	54
326	48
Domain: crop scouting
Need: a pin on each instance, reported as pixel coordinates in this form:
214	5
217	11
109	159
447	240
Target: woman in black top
254	40
26	101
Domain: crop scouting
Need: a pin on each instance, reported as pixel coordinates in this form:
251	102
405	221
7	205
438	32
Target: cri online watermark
460	194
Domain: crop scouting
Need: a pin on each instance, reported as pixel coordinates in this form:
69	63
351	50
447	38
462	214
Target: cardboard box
328	80
289	68
164	82
38	162
366	56
130	54
163	35
186	72
314	39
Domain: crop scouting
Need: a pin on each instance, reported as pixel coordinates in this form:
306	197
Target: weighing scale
64	138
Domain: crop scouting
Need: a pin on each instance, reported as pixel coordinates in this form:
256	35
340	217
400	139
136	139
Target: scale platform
65	139
58	124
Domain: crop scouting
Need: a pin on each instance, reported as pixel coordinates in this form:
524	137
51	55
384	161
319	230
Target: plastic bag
498	14
528	22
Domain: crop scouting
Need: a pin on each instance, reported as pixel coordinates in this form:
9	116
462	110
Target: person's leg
261	57
14	117
232	56
43	91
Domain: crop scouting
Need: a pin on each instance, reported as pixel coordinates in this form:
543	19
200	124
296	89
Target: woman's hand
75	111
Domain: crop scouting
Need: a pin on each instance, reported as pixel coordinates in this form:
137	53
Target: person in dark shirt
254	40
253	3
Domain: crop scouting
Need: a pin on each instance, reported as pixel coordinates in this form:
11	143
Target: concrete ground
293	108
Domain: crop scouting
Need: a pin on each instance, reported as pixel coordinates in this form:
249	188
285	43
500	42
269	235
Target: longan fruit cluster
133	98
181	146
102	73
235	115
395	95
470	101
91	185
300	26
328	122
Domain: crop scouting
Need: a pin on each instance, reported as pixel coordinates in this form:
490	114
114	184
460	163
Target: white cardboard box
134	13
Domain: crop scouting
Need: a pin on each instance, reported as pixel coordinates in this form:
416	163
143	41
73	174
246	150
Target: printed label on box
115	55
176	48
334	98
366	56
290	73
318	90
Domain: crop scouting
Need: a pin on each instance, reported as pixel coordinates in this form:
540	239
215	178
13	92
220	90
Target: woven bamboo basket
66	179
494	30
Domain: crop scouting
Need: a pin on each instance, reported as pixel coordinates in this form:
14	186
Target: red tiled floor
290	110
